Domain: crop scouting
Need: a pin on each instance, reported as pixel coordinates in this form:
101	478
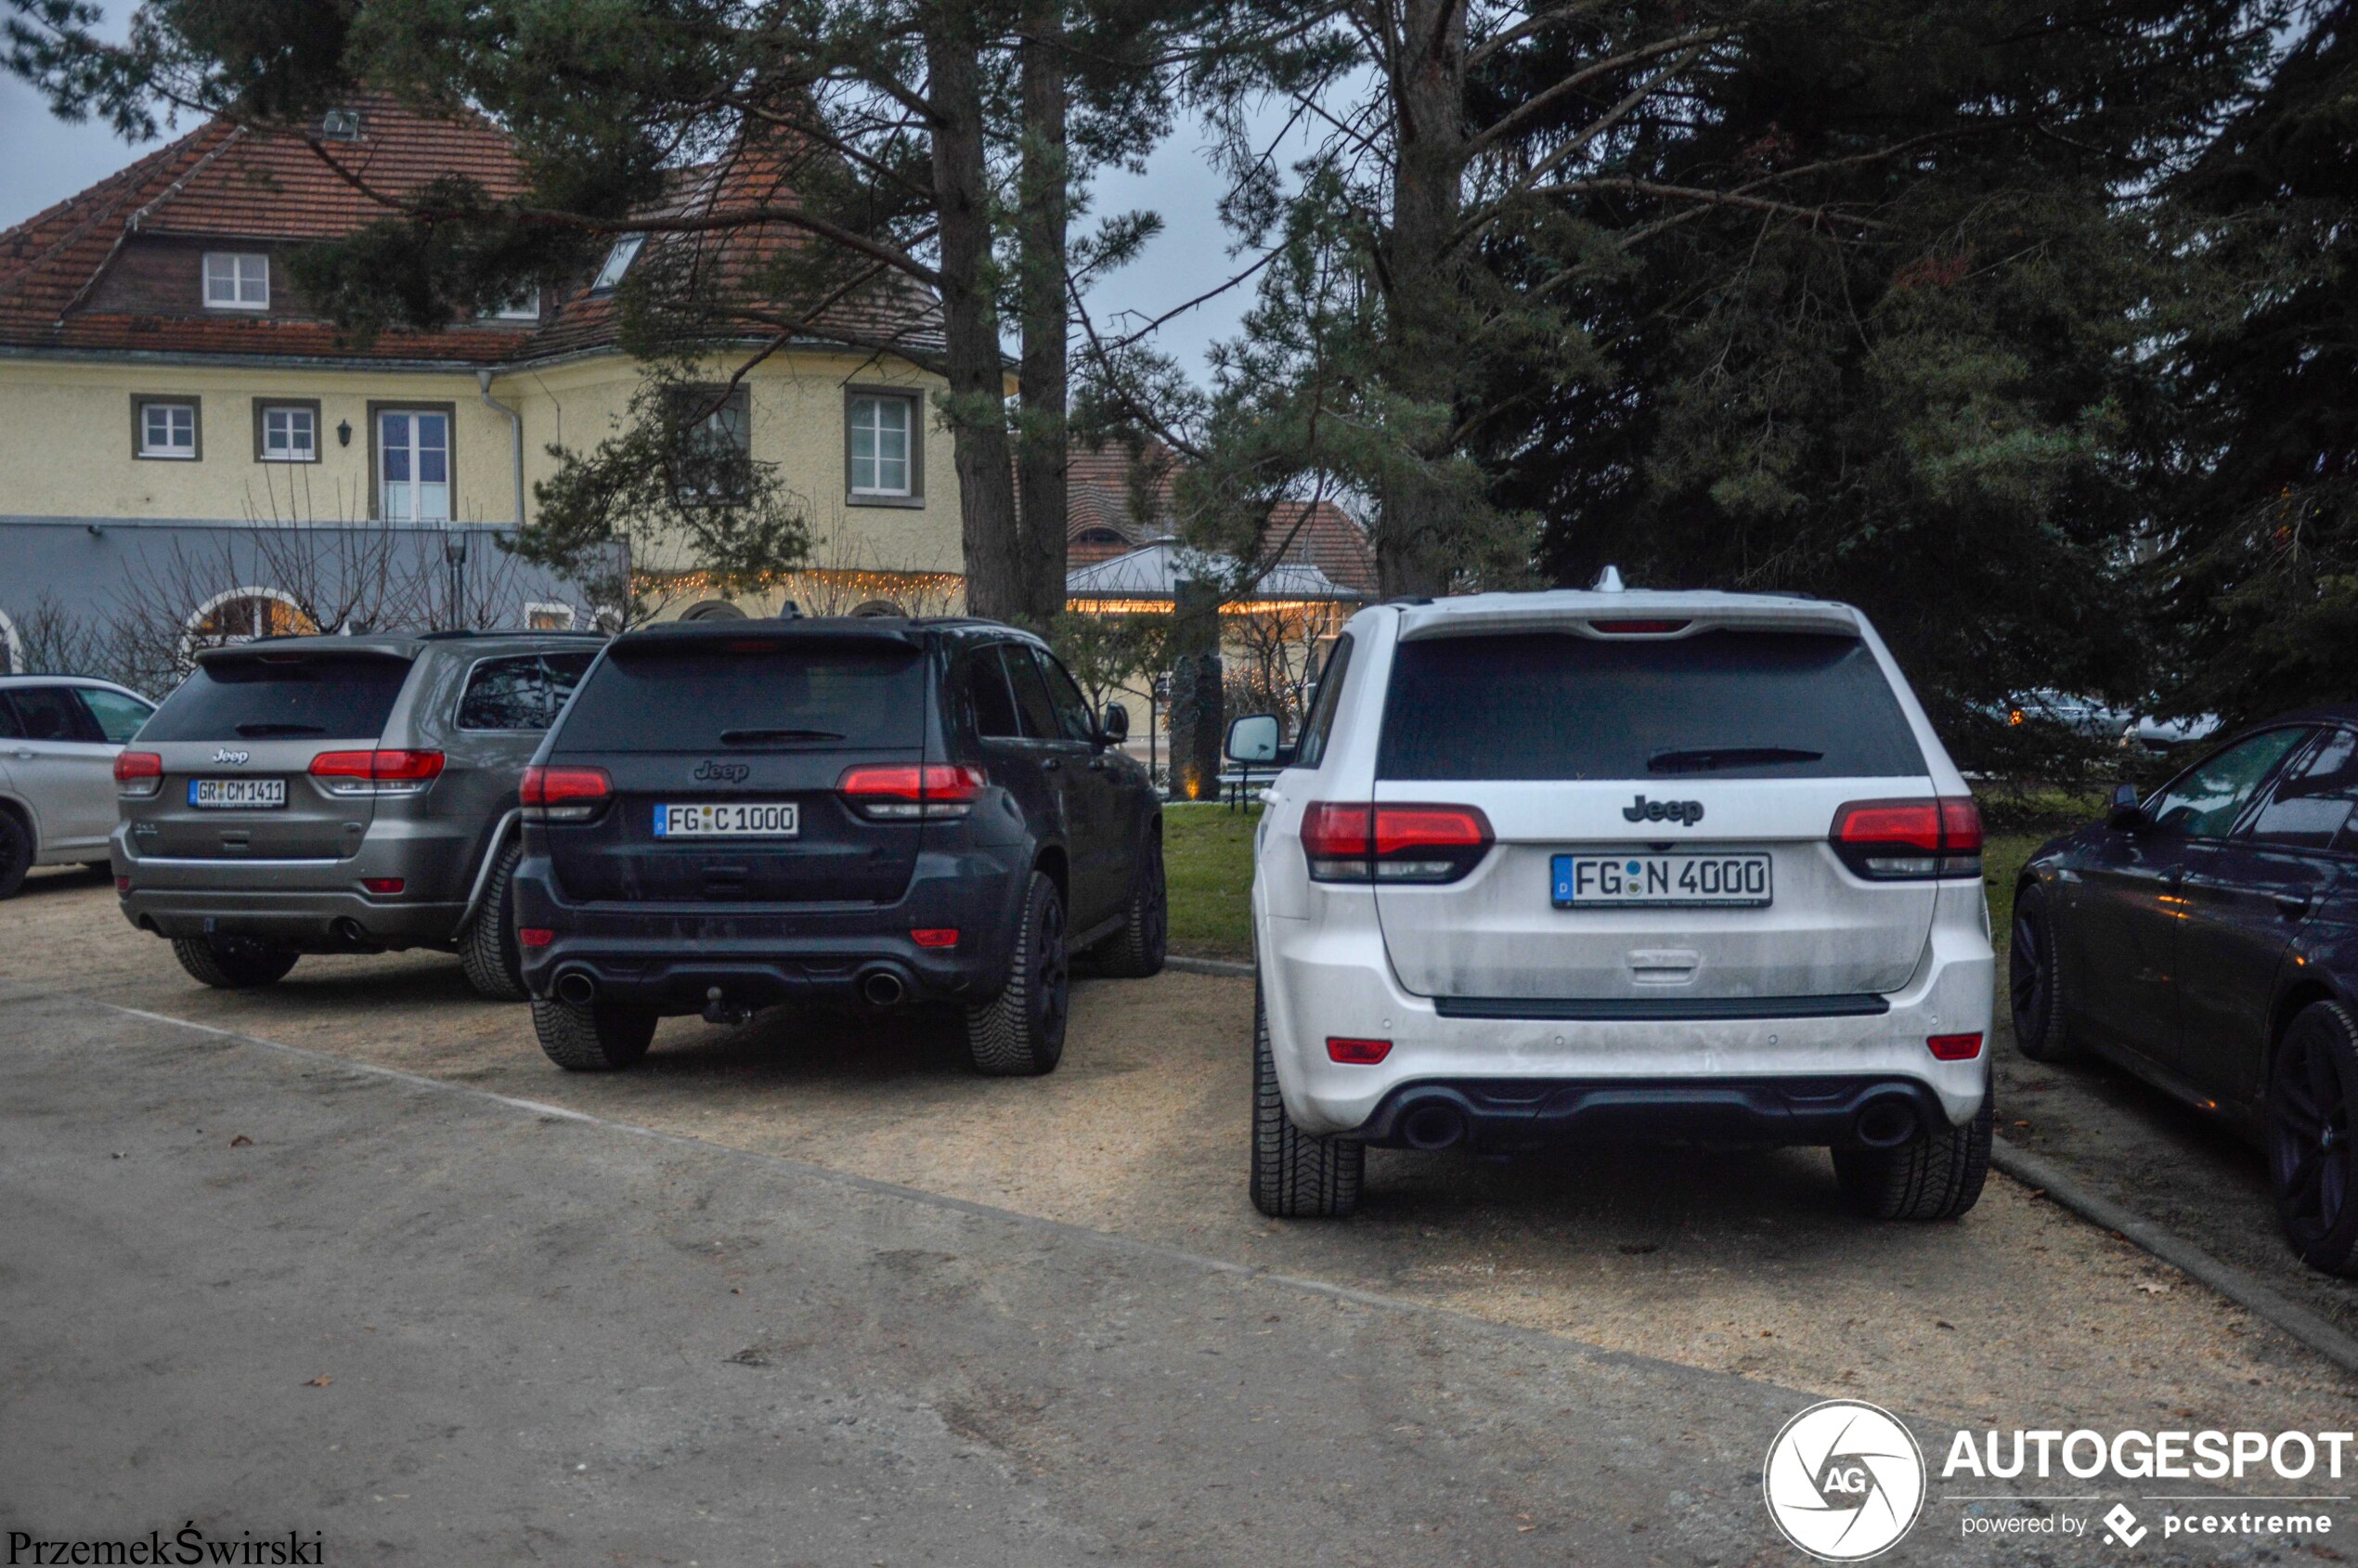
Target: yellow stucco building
160	371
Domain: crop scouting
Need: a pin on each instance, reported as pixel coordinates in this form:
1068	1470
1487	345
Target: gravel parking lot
1725	1261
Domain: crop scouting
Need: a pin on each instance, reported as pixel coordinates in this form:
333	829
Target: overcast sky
44	160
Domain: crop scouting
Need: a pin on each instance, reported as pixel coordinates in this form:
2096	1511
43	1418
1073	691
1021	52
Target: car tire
488	948
1295	1176
599	1037
1137	950
2312	1089
233	962
15	853
2035	981
1020	1032
1937	1174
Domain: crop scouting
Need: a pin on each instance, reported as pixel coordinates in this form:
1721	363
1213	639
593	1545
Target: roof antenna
1608	581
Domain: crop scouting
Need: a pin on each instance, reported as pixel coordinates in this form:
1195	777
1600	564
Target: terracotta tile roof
1098	495
221	182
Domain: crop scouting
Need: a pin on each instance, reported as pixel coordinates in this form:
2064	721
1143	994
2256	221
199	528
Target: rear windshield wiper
768	737
258	731
1712	758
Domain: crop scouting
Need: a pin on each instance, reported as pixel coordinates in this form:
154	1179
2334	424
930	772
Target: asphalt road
436	1325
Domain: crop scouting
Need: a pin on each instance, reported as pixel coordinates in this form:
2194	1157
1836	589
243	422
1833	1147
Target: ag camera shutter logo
1845	1481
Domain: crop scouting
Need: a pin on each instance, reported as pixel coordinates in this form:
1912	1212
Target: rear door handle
2292	906
1052	764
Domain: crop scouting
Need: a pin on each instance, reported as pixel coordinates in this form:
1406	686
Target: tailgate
1661	808
237	740
725	757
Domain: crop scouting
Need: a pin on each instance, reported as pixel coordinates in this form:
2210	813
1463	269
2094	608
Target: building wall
67	445
798	404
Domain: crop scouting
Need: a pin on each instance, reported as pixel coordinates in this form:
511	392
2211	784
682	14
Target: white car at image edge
59	737
1545	868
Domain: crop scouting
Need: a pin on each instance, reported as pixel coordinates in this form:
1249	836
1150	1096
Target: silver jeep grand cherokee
339	795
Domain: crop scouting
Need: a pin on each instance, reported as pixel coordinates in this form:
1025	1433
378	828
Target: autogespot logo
1845	1481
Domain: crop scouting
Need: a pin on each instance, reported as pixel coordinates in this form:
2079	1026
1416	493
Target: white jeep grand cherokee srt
1548	864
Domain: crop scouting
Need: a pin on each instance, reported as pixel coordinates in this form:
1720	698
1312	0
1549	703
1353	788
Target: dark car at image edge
869	812
2205	937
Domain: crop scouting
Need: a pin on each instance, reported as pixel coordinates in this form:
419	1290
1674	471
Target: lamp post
1158	694
454	551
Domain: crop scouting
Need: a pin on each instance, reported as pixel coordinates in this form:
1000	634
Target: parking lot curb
2051	1181
1209	967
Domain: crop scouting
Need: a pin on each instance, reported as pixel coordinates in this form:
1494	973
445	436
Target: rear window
679	699
339	697
1730	705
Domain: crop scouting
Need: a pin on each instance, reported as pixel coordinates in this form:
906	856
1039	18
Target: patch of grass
2001	858
1207	858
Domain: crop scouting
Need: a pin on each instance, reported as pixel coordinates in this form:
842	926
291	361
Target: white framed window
165	428
881	444
287	433
237	280
413	465
545	616
524	307
340	125
618	260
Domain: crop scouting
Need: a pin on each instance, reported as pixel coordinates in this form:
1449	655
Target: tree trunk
1040	443
970	320
1424	298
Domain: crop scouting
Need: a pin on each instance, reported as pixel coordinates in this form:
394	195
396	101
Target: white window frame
908	406
550	608
378	414
524	307
310	453
171	452
238	271
12	644
617	263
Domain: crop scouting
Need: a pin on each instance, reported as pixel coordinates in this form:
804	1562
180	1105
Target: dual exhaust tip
879	985
1886	1120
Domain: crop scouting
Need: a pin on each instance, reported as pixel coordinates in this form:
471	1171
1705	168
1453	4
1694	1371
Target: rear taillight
376	772
1389	843
535	936
563	794
910	791
1904	840
383	887
137	774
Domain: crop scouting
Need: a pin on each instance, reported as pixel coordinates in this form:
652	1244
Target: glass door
413	466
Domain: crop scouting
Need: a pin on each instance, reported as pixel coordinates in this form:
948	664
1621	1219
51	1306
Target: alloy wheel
2310	1137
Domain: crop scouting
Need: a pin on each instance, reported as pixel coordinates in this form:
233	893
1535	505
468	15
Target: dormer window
235	281
618	260
524	307
341	124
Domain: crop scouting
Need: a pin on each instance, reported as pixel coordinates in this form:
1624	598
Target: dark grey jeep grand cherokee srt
339	795
878	812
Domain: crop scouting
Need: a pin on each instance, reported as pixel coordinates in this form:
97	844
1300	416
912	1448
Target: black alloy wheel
2312	1158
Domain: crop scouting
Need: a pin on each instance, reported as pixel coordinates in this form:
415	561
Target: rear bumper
313	905
1507	1115
672	956
1742	1076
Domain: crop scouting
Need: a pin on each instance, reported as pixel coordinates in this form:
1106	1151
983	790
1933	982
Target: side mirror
1253	738
1115	726
2126	813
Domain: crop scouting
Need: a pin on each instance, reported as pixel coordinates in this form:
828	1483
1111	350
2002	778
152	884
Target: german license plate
1661	881
237	794
729	819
